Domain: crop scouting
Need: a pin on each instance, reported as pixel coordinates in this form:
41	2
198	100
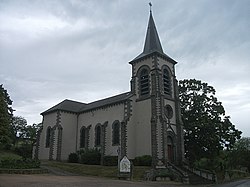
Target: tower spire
152	41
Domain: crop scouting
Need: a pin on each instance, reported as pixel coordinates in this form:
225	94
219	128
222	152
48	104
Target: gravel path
48	180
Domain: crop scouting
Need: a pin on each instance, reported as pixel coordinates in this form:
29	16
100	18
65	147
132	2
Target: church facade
143	121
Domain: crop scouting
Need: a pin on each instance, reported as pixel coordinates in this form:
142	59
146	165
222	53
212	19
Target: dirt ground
48	180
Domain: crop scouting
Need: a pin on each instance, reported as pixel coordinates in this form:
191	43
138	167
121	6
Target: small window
144	82
98	135
83	137
48	136
116	133
166	82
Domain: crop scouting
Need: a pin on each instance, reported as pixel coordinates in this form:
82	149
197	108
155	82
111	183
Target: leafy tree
21	130
207	129
5	117
18	126
30	132
24	136
239	155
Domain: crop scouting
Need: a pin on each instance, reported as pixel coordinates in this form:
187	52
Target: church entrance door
170	153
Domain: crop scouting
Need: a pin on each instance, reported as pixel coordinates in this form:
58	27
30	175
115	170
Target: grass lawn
9	154
96	170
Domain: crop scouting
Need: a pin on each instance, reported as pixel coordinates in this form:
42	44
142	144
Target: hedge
144	160
12	163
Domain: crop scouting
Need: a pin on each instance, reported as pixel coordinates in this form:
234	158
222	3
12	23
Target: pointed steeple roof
152	42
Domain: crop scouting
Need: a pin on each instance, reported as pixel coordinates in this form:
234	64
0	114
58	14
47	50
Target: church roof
67	106
78	107
108	101
152	43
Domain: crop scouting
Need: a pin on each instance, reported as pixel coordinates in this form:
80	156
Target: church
146	120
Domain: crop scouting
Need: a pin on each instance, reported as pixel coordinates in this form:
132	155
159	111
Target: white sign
125	165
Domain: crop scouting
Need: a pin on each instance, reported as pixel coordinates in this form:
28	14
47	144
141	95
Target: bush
110	160
73	158
165	173
144	160
24	150
22	163
90	156
9	155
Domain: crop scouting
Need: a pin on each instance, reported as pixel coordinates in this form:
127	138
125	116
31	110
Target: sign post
125	169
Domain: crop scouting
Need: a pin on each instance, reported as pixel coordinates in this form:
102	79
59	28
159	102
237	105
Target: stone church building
143	121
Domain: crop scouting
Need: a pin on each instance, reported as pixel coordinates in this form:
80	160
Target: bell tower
154	83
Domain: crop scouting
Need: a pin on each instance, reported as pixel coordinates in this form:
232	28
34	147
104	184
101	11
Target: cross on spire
150	5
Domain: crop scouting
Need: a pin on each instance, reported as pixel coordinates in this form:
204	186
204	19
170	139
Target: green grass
139	172
90	170
11	160
9	154
96	170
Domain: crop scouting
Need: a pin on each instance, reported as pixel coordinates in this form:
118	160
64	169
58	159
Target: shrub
144	160
73	158
90	156
110	160
165	173
9	155
203	163
19	163
24	150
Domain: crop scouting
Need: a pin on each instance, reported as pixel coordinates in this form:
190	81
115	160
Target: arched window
48	135
83	137
116	133
98	135
144	82
166	82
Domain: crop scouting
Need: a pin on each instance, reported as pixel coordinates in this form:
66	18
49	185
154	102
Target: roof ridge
109	97
74	101
106	101
76	107
66	105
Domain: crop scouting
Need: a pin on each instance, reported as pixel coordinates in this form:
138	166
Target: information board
125	165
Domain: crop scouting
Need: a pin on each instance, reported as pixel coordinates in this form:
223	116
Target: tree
5	117
24	136
239	155
207	129
30	132
18	126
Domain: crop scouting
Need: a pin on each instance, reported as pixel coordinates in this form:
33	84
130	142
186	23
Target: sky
80	49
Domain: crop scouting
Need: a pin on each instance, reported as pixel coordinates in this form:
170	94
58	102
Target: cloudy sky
80	49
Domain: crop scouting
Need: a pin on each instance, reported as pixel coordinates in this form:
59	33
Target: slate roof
152	42
67	106
108	101
78	107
